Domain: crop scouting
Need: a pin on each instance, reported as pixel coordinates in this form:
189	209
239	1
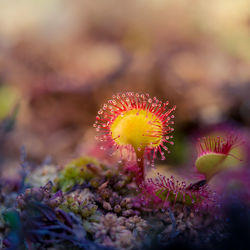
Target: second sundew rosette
216	153
136	125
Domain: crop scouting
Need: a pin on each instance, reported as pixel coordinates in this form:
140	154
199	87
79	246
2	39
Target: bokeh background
61	60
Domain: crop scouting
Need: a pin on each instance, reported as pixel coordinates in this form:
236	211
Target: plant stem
140	163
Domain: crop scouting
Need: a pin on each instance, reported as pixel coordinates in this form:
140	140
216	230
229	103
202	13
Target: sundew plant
137	126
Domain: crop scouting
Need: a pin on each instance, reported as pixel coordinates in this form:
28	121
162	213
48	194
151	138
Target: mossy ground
88	204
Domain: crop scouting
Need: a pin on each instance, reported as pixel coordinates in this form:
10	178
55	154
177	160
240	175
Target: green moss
76	172
85	209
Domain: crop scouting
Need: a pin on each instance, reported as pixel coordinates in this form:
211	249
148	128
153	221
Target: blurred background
61	60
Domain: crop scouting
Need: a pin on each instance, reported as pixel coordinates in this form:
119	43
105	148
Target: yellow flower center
138	128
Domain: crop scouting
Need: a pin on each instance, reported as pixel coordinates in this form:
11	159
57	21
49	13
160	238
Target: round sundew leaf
134	124
209	164
135	127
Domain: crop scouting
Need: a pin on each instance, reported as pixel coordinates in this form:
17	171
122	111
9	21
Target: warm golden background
60	60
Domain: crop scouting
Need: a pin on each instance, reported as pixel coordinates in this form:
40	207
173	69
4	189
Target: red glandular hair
218	145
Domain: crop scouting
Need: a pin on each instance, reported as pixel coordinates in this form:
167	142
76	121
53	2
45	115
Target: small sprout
214	153
135	125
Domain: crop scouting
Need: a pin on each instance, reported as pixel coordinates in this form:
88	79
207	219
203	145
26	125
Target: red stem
140	163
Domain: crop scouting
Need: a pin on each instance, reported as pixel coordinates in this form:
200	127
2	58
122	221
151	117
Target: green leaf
210	164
